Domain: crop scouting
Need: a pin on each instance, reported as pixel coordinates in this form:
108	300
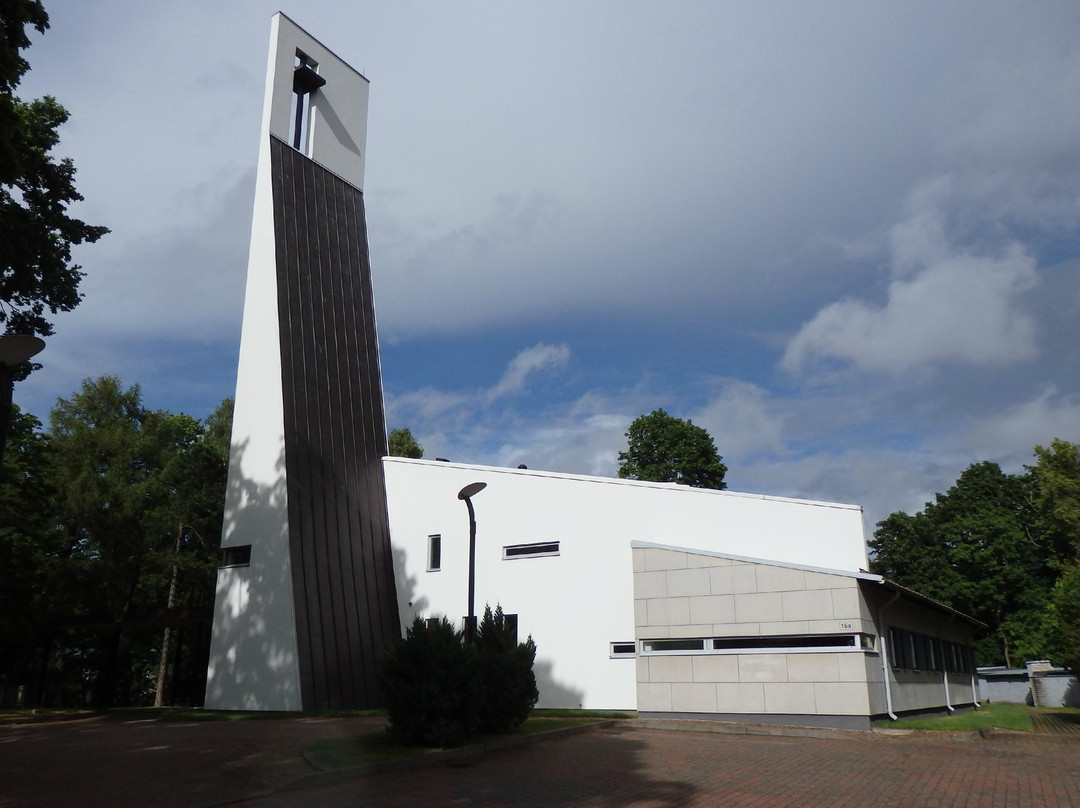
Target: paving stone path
1057	723
115	761
639	767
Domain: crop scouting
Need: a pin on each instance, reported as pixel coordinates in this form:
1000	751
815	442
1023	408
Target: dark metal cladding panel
335	434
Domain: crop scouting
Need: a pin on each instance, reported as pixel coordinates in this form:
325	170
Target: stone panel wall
687	595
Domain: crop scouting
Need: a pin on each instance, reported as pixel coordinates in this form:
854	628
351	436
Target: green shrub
432	686
507	668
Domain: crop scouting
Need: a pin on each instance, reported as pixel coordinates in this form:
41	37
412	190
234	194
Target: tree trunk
166	640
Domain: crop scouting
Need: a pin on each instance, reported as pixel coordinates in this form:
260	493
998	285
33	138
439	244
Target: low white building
597	571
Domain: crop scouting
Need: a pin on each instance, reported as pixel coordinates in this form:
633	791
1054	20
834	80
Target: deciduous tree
37	275
665	449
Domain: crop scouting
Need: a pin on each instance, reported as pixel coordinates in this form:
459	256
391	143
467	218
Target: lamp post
14	350
466	494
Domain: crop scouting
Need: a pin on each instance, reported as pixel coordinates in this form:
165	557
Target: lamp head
470	490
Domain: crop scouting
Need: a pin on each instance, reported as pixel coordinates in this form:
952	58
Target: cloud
532	360
947	305
1010	436
743	421
444	420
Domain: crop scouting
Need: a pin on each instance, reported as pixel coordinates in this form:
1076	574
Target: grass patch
375	747
999	716
596	715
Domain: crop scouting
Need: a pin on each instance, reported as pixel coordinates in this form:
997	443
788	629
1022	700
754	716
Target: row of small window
909	650
510	551
788	643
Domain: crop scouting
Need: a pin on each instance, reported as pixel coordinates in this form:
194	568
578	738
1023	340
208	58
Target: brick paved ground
638	767
117	761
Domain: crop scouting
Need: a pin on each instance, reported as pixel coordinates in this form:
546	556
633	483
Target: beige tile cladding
740	697
854	668
687	582
712	609
716	668
762	607
814	604
734	579
654	697
789	697
693	698
763	667
687	595
779	579
841	698
664	559
667	611
671	669
814	667
651	585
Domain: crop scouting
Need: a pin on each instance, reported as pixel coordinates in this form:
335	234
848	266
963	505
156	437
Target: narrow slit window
536	550
434	552
660	646
622	650
236	556
790	641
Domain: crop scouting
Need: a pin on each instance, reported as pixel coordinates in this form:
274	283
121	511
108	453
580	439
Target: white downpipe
974	695
945	681
885	655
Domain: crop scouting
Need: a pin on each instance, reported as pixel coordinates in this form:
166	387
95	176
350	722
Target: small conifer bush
440	688
432	686
507	668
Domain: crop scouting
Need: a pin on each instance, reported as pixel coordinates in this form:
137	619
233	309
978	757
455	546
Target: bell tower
305	597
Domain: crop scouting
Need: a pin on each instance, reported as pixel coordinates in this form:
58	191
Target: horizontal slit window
659	646
783	644
536	550
622	649
236	556
800	641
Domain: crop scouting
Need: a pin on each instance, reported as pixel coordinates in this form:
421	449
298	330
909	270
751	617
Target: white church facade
640	596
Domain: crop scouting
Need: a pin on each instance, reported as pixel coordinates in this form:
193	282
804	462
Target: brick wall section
680	594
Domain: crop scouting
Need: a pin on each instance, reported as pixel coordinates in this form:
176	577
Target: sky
842	237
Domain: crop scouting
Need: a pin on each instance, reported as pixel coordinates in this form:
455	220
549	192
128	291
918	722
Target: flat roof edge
618	481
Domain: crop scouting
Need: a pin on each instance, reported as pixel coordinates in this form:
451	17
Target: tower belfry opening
306	80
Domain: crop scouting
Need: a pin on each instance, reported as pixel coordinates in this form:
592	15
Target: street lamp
467	493
14	350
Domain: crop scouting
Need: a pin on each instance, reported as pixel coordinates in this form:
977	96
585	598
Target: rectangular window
434	552
236	556
511	622
800	641
622	650
660	646
770	644
537	550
